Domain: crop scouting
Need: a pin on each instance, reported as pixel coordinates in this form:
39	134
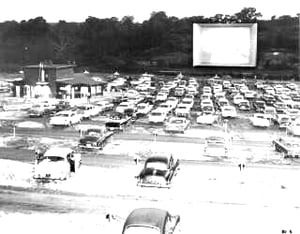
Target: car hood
88	139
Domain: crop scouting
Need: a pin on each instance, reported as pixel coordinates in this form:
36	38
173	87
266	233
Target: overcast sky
79	10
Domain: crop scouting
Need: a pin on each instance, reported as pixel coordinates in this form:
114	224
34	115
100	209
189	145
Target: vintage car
143	109
260	120
259	105
161	97
228	112
88	110
207	118
117	121
177	124
289	147
65	118
244	105
41	109
216	146
125	106
157	116
158	171
104	106
173	101
95	138
182	110
282	120
150	221
294	128
56	163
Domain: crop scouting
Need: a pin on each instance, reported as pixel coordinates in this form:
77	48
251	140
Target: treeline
161	41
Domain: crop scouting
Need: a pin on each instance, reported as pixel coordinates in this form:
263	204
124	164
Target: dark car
259	106
150	221
117	121
158	171
95	139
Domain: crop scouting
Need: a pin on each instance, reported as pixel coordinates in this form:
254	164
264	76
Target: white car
250	94
125	106
188	102
182	110
56	163
294	128
65	118
283	120
167	107
104	106
88	110
177	124
293	113
173	101
206	102
260	120
179	91
157	116
207	119
161	97
237	99
143	108
228	111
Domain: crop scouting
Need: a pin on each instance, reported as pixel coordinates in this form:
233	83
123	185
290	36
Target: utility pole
298	46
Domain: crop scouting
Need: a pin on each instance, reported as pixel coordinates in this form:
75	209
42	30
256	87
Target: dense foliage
160	42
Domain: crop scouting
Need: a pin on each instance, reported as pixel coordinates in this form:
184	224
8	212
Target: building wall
64	73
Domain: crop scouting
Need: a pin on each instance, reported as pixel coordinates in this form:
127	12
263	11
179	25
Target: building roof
80	79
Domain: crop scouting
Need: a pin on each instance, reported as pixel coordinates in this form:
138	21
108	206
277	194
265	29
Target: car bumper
150	185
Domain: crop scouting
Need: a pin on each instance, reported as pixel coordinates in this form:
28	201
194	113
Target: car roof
58	151
157	158
147	216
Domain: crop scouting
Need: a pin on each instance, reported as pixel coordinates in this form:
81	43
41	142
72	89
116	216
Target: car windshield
157	165
62	115
176	121
141	229
141	107
156	114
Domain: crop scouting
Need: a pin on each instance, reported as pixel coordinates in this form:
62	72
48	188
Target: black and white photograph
150	117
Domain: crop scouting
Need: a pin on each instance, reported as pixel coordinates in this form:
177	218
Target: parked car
65	118
125	106
294	128
177	124
104	106
280	107
182	110
57	163
228	112
179	92
293	113
157	116
259	105
95	138
244	105
289	147
40	109
260	120
88	110
161	97
270	112
143	109
167	107
150	220
282	120
237	99
158	171
117	121
173	101
206	118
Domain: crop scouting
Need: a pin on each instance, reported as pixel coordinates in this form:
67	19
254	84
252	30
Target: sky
79	10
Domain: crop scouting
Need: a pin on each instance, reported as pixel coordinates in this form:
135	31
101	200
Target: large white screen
225	45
